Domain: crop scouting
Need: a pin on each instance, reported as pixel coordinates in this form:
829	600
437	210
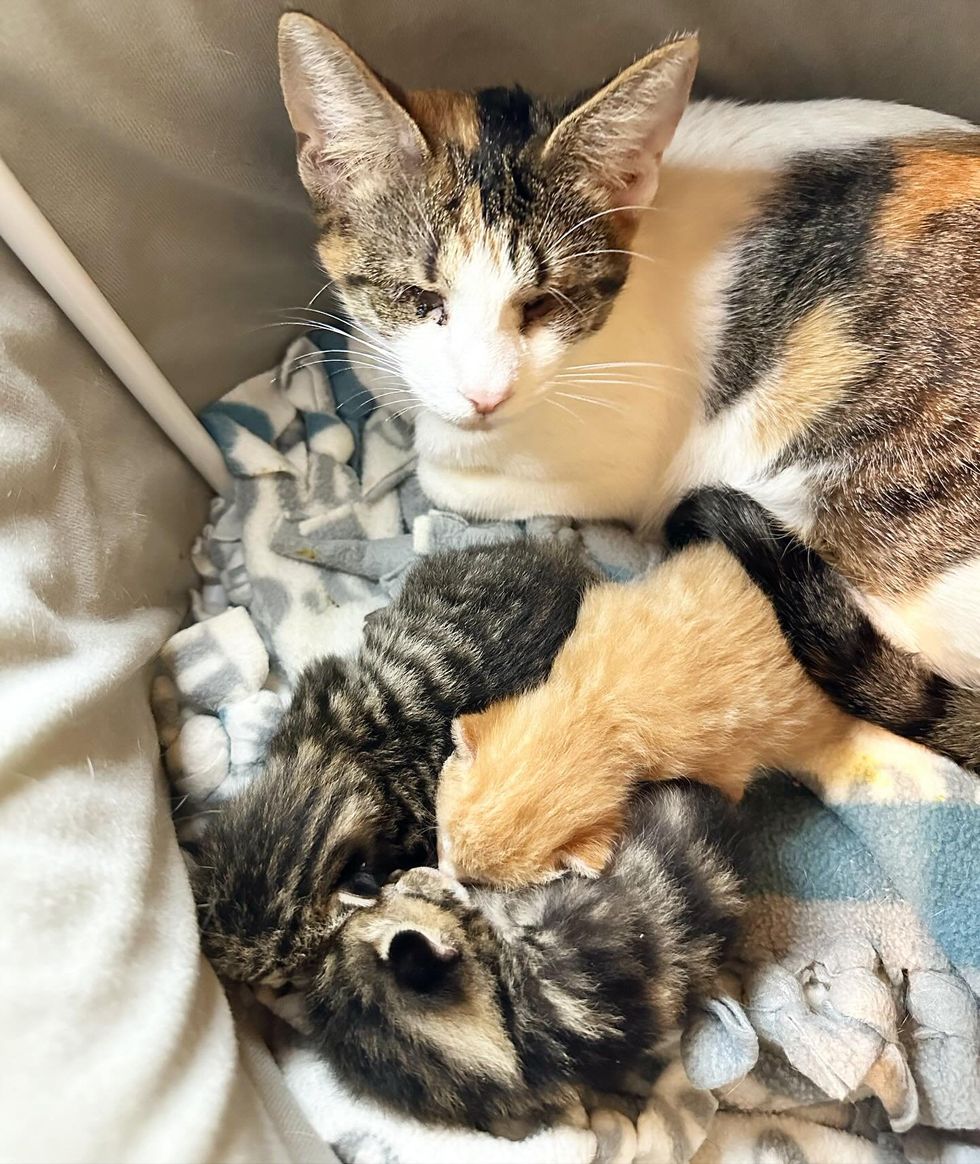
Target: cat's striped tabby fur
797	316
349	787
497	1010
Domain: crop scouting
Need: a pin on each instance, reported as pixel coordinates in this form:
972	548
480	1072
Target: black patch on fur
508	120
830	636
541	267
809	240
417	964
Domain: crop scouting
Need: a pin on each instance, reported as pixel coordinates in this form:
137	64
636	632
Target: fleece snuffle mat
849	1029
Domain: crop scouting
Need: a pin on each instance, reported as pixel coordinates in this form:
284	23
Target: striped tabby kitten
829	634
797	317
497	1010
349	787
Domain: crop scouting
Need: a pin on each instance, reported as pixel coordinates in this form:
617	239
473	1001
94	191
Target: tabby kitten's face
408	997
474	238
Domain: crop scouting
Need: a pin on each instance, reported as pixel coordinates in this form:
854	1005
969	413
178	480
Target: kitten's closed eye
357	883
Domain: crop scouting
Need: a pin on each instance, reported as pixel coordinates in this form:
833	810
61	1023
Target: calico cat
349	787
489	1009
828	633
684	672
797	316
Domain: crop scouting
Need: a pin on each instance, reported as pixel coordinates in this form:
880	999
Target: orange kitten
681	673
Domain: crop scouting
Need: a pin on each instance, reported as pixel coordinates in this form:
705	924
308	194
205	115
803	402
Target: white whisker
329	283
342	319
347	335
561	295
564	407
396	415
608	251
311	361
592	400
601	214
628	364
665	389
368	336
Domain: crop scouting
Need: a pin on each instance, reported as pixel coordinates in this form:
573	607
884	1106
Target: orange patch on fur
930	179
819	361
336	252
443	115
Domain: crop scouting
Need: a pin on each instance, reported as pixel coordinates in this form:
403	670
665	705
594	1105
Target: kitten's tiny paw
577	1116
428	882
616	1137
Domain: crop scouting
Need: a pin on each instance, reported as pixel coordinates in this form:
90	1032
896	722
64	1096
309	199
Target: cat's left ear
616	139
349	127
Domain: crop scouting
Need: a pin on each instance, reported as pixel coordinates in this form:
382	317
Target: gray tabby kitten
498	1010
348	793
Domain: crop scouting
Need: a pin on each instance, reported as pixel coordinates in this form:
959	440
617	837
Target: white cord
39	247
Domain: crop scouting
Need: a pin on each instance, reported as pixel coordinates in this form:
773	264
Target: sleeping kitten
349	788
490	1009
829	634
682	673
798	316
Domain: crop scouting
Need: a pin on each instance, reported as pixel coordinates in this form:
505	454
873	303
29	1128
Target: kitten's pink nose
487	400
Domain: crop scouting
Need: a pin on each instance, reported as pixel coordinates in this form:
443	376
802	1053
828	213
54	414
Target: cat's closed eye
427	303
538	309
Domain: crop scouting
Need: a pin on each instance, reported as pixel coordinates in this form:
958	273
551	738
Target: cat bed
849	1025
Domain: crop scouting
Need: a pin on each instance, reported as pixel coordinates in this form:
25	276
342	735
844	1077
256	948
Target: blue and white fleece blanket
849	1028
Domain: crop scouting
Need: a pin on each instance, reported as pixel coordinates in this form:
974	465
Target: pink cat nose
486	400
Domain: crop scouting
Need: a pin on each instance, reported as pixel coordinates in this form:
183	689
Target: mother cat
797	316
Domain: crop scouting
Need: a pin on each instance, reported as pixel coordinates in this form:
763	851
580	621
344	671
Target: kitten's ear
465	736
419	960
616	138
588	853
348	126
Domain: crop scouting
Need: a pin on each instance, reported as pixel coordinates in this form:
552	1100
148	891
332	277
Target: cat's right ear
614	141
349	128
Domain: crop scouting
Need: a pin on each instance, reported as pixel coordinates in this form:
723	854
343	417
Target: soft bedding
848	1028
